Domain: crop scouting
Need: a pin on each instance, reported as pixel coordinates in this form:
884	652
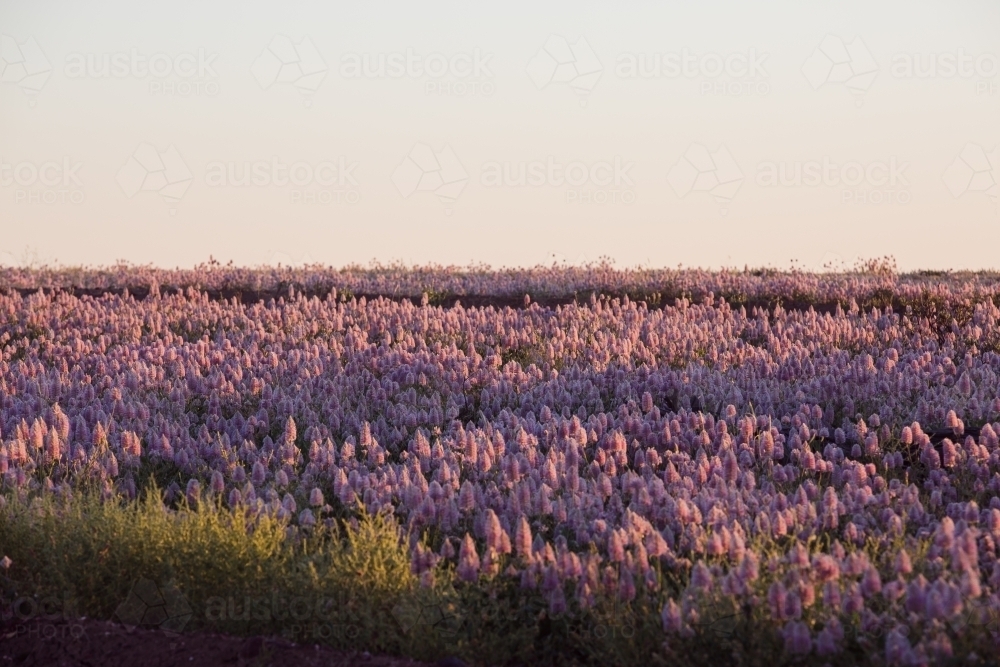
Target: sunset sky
704	134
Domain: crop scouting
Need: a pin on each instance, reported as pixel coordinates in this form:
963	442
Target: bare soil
91	643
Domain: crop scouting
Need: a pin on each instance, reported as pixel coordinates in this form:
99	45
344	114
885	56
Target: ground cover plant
562	465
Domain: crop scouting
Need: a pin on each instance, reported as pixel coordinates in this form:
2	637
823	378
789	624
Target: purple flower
798	640
701	577
626	585
671	618
557	602
897	648
259	474
217	484
193	491
916	595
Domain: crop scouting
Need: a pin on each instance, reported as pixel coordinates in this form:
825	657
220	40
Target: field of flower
571	465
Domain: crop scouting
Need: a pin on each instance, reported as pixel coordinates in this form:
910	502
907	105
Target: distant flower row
868	281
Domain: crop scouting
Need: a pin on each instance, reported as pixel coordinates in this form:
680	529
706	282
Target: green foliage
348	584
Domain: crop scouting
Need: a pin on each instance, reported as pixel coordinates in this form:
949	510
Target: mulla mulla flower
193	491
468	560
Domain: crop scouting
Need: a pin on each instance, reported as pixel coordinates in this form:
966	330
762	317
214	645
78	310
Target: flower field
608	466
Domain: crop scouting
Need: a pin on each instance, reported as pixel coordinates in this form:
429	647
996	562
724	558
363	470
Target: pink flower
131	444
871	445
290	432
826	567
902	563
871	583
468	560
616	550
496	536
730	467
466	497
949	454
522	537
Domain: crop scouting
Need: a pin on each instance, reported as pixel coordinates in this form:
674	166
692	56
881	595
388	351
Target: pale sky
659	133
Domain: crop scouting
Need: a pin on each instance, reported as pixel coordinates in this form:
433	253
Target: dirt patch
88	642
